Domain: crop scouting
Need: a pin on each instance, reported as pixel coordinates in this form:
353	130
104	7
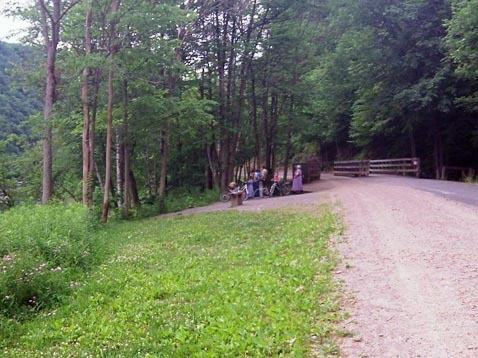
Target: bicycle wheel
225	197
273	190
245	195
286	188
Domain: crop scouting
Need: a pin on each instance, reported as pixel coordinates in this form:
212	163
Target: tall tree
51	14
115	5
88	134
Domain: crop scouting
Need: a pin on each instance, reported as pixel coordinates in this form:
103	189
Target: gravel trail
409	267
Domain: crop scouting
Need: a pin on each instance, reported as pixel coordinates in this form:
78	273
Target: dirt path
409	268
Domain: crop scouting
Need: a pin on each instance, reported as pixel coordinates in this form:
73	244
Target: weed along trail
410	271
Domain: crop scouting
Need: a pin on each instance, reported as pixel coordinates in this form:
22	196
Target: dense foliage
259	284
151	96
389	88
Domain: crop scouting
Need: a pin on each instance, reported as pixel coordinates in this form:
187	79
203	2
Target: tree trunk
288	145
87	179
93	166
265	121
164	163
109	135
134	190
413	145
255	123
119	165
438	149
109	124
51	33
212	162
98	176
127	195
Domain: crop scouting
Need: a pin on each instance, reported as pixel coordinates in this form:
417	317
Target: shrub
175	200
43	249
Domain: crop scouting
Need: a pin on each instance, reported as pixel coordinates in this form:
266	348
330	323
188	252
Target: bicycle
226	195
281	188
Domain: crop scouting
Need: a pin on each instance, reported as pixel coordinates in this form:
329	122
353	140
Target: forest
116	103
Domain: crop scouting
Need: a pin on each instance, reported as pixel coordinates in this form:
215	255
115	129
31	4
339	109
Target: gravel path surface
409	267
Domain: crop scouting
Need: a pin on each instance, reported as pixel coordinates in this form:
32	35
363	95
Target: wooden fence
352	168
401	166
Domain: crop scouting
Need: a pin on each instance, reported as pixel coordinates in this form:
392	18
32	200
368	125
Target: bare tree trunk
211	155
119	165
265	120
134	190
438	149
127	195
98	176
255	122
164	163
413	145
109	124
50	19
109	135
92	162
51	32
87	179
288	145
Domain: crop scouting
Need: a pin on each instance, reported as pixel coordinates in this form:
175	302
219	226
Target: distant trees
462	43
386	86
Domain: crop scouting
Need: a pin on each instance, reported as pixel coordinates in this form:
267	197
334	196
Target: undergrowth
42	250
175	200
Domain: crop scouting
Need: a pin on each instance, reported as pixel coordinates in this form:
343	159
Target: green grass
213	285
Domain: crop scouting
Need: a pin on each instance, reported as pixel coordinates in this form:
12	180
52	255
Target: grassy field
212	285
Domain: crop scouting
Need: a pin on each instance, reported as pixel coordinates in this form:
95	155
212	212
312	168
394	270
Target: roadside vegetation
219	284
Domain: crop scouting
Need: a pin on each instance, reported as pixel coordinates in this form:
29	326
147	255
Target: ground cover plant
224	284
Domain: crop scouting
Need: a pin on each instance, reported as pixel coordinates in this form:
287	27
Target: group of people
256	182
259	183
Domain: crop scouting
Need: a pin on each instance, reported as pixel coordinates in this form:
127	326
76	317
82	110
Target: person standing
260	179
276	178
264	184
250	186
297	181
256	174
264	173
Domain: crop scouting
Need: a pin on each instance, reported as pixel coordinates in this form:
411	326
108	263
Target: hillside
17	100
